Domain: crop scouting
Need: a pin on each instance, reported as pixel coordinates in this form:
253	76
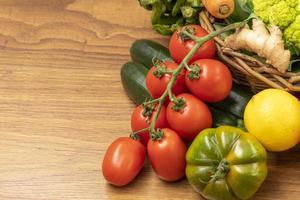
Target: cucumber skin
133	77
221	118
143	51
133	80
235	103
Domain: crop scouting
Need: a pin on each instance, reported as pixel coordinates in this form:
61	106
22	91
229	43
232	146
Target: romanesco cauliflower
282	13
292	33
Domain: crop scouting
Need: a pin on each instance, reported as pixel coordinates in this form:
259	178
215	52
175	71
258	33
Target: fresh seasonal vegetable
219	8
265	44
281	13
188	117
123	160
179	103
273	117
158	78
242	10
167	155
210	80
285	14
221	118
142	117
180	45
167	15
238	98
133	81
235	103
226	163
146	51
166	150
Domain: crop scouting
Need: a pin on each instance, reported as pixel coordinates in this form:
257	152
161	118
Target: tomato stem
135	135
189	35
199	41
187	67
142	130
150	102
222	170
171	96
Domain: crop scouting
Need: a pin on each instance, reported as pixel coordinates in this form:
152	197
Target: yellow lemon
273	117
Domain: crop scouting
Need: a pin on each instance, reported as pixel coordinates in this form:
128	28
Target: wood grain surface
62	104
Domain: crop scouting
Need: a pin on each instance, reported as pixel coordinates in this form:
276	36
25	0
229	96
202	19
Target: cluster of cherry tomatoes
211	82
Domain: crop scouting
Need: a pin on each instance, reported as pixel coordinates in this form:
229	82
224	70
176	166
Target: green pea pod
243	9
226	163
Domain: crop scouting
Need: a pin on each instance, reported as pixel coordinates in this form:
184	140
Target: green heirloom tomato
226	163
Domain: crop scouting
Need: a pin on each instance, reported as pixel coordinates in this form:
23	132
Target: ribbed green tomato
226	163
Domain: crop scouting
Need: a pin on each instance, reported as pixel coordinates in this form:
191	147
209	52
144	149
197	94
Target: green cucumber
143	51
133	77
221	118
133	80
236	102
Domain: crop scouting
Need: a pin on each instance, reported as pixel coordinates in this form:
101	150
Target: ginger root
266	43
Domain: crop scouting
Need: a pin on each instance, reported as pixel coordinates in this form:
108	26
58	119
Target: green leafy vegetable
169	15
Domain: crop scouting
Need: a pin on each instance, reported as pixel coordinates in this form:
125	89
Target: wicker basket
249	71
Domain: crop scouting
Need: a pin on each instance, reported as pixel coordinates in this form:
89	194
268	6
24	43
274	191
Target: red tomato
179	48
123	160
192	119
167	156
215	81
157	86
139	122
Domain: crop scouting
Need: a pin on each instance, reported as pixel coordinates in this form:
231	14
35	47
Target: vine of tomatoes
183	86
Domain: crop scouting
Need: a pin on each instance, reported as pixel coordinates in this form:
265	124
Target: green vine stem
198	43
135	135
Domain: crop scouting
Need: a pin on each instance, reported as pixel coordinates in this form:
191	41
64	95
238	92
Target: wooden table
62	103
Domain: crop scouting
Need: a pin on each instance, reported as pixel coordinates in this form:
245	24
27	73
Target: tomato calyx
148	110
134	136
187	33
179	104
156	135
221	171
161	69
194	72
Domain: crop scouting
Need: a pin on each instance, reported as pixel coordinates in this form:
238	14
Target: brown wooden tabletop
62	103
